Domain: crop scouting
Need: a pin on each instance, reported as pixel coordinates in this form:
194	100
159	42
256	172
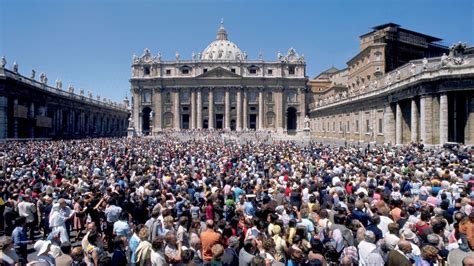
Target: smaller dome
222	48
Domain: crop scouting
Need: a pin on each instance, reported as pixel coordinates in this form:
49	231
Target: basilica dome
222	48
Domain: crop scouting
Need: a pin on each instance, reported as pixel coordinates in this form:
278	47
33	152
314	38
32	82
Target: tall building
401	87
385	48
218	88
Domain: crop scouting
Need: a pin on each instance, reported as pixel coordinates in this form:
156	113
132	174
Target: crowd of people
208	200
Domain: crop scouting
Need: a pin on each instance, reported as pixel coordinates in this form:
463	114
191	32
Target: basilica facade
218	88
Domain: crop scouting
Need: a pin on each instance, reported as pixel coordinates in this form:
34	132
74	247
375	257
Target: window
185	108
367	126
232	70
348	128
357	125
219	97
378	56
184	97
146	70
340	125
380	125
204	70
291	70
185	71
253	108
291	97
252	69
269	97
168	72
333	126
252	96
168	98
146	97
270	71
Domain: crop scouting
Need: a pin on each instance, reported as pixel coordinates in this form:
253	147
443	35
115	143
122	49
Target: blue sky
90	43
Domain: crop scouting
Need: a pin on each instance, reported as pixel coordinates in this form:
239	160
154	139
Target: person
133	244
57	223
8	256
43	248
398	257
28	210
365	247
157	254
121	227
217	252
9	216
119	257
20	239
468	261
65	258
144	249
230	256
94	252
173	248
208	239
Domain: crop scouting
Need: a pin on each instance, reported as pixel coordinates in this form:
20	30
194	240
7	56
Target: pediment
218	73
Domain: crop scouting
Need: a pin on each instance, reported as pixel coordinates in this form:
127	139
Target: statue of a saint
413	69
177	56
15	67
260	56
71	89
193	55
199	55
33	73
444	60
307	122
4	61
42	76
279	55
425	63
158	57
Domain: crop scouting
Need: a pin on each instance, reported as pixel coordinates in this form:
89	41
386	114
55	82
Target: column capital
158	89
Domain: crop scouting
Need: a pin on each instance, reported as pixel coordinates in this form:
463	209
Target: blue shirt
122	228
19	237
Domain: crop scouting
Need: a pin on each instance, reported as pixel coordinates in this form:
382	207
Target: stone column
260	109
469	129
15	120
211	109
398	125
136	112
199	108
157	111
31	121
443	118
245	109
227	109
193	108
239	109
279	110
176	115
3	117
426	119
414	121
302	107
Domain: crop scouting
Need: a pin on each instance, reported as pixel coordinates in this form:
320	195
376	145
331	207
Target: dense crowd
208	200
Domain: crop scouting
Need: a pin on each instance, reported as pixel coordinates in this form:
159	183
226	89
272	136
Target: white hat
42	246
295	186
271	190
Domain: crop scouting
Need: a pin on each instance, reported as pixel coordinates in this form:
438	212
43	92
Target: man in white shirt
28	210
365	247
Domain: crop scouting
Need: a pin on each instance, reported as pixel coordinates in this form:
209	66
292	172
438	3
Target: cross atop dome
222	33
